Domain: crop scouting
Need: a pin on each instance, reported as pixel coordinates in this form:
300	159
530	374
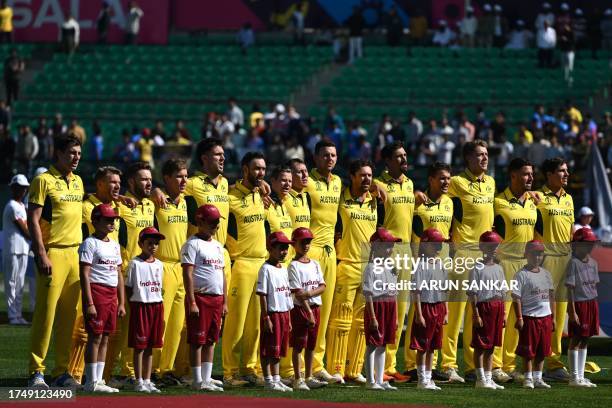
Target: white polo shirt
145	279
274	283
207	259
379	282
533	289
583	278
427	277
104	257
487	274
306	276
14	243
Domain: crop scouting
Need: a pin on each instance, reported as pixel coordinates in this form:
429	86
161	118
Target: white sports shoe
103	384
152	388
300	385
388	387
495	385
314	383
528	383
337	378
483	384
578	382
37	380
588	382
284	387
453	377
97	386
360	379
500	376
272	386
374	386
540	384
209	386
428	386
323	375
218	383
141	387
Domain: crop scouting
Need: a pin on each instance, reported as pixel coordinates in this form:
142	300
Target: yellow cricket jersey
61	200
297	204
278	218
397	211
171	222
90	202
358	223
246	231
555	220
514	222
473	201
132	221
6	19
200	190
433	214
324	200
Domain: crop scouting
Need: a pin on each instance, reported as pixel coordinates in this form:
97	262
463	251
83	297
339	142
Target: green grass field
14	343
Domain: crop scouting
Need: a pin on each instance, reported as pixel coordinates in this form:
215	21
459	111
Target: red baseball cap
277	237
432	235
104	210
585	235
490	237
150	232
208	212
534	246
382	235
301	233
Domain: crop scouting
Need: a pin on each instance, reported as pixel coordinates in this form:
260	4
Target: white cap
20	180
280	108
497	7
579	12
520	23
442	23
585	211
564	6
546	5
486	7
40	170
469	9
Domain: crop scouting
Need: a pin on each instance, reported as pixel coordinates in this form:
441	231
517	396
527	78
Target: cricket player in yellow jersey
246	243
324	189
472	192
515	219
357	223
133	220
297	201
172	223
554	228
108	184
55	213
396	217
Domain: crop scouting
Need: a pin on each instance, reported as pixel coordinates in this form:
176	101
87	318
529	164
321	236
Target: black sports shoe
412	374
439	375
470	376
170	380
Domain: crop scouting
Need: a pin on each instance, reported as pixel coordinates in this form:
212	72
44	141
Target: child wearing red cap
534	302
488	311
307	285
431	311
275	300
380	315
205	295
583	311
102	291
144	289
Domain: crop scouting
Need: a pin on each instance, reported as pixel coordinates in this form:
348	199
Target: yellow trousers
76	364
326	256
173	295
241	328
346	322
557	266
56	295
505	357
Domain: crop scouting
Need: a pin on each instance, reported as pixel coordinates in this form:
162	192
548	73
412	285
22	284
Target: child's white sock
206	371
196	373
140	381
529	375
379	356
488	376
100	371
537	376
277	378
268	379
572	359
480	374
428	376
369	363
582	355
421	374
91	370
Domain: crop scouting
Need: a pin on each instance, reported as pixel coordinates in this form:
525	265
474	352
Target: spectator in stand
103	22
126	152
254	142
26	151
97	143
293	150
363	150
483	126
500	27
255	115
498	127
428	143
333	119
76	130
520	38
579	25
394	27
468	27
297	19
414	130
13	67
524	133
545	15
444	36
5	114
521	147
572	111
567	46
234	112
245	37
159	131
564	17
45	140
585	218
506	152
486	27
70	35
536	153
180	128
606	30
444	151
419	27
466	129
132	26
7	147
356	24
6	23
556	149
541	118
354	134
178	139
145	147
546	43
59	127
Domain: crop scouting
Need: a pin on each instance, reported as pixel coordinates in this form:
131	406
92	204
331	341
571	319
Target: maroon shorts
274	345
588	317
105	300
146	325
206	327
386	315
428	338
490	334
303	336
534	338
